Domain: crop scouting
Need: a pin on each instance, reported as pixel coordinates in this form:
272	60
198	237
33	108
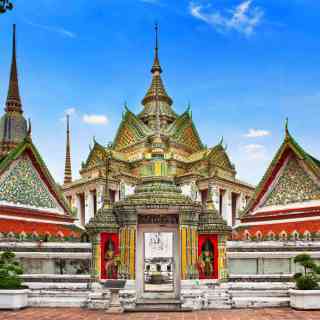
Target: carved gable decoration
218	157
294	185
96	157
22	185
183	131
131	131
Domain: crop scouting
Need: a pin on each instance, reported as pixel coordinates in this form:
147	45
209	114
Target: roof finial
156	28
221	140
286	126
156	64
67	168
29	128
13	102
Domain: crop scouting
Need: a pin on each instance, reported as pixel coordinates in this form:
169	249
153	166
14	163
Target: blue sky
244	66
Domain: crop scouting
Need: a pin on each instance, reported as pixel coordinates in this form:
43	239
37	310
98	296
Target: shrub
310	278
307	282
10	269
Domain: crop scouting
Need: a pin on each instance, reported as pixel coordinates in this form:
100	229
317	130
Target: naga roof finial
286	127
29	128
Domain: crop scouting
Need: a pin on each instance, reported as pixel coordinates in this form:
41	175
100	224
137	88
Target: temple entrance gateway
157	263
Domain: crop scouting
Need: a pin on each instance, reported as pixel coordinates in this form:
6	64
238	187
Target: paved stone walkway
81	314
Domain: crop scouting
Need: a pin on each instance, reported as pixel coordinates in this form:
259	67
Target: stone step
158	305
57	302
58	298
260	302
259	293
59	293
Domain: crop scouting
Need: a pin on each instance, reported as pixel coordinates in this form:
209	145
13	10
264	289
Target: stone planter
14	299
305	299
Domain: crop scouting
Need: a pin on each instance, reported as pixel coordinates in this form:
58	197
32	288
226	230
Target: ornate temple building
286	203
155	202
31	204
157	132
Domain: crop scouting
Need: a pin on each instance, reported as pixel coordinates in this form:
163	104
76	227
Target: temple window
204	196
81	208
307	236
112	195
23	235
35	235
271	236
94	201
60	235
283	236
295	236
47	237
247	235
259	235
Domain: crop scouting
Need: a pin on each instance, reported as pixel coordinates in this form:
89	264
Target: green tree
5	5
10	269
310	278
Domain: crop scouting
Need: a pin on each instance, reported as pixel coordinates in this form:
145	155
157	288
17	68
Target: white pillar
215	196
78	207
227	207
100	195
88	206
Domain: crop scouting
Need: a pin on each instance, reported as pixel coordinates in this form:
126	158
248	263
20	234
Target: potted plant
306	296
13	295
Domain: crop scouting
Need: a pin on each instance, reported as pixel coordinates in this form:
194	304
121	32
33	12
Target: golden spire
67	168
156	64
13	99
156	89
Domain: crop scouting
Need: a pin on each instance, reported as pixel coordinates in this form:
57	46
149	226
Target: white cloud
256	133
255	151
95	119
243	18
55	29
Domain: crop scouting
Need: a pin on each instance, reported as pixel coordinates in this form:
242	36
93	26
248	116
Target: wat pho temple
160	209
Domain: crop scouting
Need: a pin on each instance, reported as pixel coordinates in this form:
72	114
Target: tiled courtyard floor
81	314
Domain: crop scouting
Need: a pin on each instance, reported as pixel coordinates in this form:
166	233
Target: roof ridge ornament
29	128
286	127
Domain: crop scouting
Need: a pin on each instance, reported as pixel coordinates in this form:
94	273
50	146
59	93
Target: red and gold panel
110	255
208	256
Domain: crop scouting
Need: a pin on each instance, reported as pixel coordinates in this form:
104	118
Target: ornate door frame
141	229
